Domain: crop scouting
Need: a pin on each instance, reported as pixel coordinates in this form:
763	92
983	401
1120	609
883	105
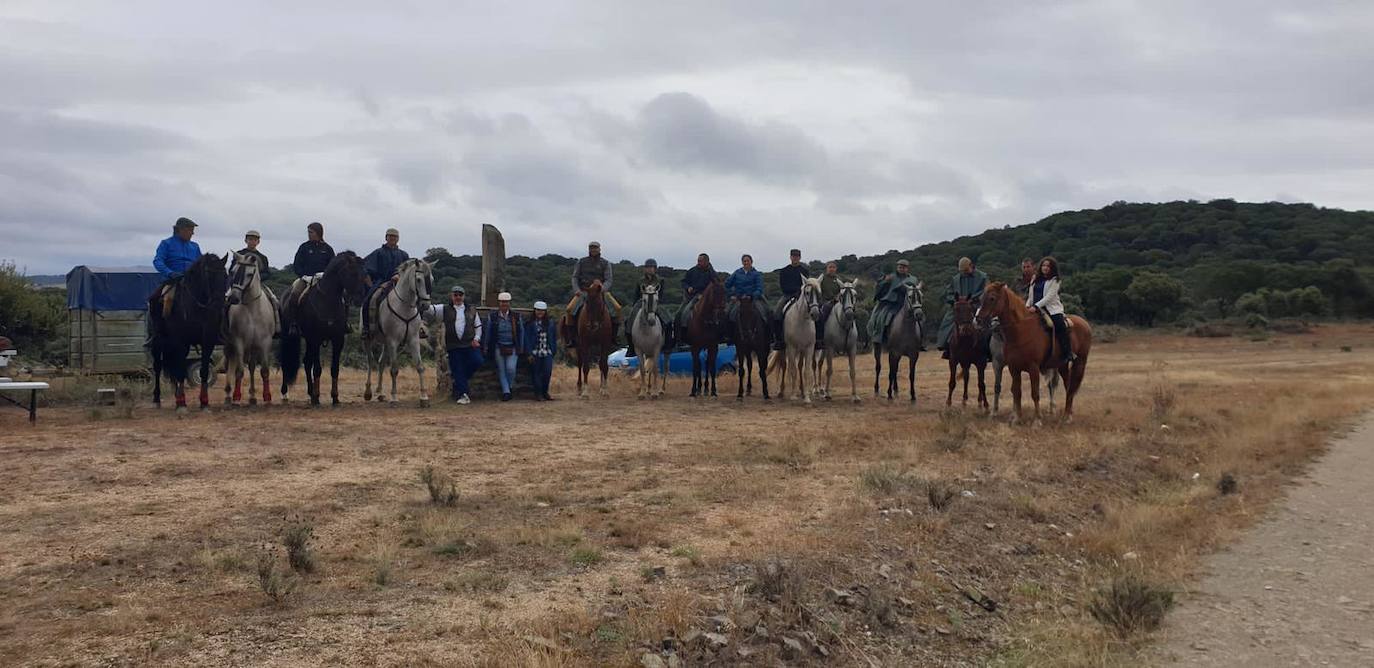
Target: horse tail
289	358
775	358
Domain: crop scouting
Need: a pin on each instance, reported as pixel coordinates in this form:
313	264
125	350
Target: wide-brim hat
541	306
503	297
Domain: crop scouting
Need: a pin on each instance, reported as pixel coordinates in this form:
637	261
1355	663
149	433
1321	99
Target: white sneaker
464	400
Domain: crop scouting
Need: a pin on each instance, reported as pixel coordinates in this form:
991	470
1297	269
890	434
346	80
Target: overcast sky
661	129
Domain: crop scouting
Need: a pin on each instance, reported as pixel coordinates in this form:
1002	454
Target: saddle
374	302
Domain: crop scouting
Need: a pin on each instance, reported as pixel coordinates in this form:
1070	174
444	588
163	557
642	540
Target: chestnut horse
965	350
1030	349
595	330
704	332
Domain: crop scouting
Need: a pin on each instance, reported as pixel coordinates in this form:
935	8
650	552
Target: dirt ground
624	532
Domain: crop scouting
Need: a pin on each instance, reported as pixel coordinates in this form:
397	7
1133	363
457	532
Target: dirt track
136	540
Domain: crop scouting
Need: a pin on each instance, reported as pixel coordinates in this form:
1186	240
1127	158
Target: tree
433	254
1152	294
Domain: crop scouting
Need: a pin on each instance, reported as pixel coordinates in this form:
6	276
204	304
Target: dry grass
750	510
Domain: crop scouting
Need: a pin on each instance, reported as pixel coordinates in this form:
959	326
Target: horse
841	338
595	332
997	351
904	335
252	321
320	314
752	344
1032	350
965	350
196	319
799	338
398	323
646	332
704	333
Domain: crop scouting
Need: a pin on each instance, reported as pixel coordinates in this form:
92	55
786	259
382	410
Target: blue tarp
111	288
678	362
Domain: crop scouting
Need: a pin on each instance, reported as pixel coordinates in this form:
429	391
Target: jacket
696	280
971	286
590	269
312	257
790	279
745	284
472	327
647	280
830	288
530	341
1049	301
492	334
175	256
381	264
263	270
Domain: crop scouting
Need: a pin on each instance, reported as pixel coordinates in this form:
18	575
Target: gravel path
1299	589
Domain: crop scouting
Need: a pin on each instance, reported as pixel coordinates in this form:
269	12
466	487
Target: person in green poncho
969	282
887	301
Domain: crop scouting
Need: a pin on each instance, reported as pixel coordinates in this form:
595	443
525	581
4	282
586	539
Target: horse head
418	278
963	316
347	269
914	298
208	281
811	296
246	274
847	298
993	305
650	293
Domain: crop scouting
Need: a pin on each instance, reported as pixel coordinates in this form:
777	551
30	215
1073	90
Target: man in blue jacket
746	282
174	256
380	266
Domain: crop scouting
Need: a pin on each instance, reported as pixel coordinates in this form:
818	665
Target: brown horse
704	332
965	350
595	332
752	339
1031	349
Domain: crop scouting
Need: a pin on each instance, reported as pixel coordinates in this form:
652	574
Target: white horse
904	335
799	340
646	332
251	320
841	338
398	322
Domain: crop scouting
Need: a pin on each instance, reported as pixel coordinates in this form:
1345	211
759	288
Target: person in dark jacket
693	283
591	269
462	341
540	343
381	265
505	342
251	238
790	281
969	283
314	255
649	278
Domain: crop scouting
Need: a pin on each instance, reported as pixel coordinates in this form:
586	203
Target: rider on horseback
790	280
588	270
746	282
251	239
174	256
381	267
888	297
650	278
312	258
830	293
1044	297
969	282
696	280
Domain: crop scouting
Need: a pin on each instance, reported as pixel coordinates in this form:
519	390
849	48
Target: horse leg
911	377
205	362
1035	391
982	387
238	382
965	374
367	367
393	363
892	365
1073	378
877	367
419	371
335	355
853	384
603	362
829	372
741	372
997	387
646	379
1052	383
711	369
1016	394
953	380
266	384
803	366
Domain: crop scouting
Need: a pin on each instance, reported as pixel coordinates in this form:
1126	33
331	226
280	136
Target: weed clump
442	491
276	583
1227	485
1131	604
296	539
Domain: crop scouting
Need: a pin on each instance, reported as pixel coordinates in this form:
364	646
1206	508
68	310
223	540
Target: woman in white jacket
1044	296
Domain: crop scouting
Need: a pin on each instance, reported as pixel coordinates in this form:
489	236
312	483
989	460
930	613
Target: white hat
503	297
541	306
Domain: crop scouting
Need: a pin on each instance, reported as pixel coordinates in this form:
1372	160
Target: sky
660	129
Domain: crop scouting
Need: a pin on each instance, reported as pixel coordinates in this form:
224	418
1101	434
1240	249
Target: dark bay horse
966	348
704	331
753	339
319	313
595	338
196	318
1030	349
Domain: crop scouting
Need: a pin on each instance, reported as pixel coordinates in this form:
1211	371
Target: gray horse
841	338
646	332
799	341
903	340
251	321
398	322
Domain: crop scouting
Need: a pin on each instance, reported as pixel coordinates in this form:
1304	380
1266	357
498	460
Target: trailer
107	309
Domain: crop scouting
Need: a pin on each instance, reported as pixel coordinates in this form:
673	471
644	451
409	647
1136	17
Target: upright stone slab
493	264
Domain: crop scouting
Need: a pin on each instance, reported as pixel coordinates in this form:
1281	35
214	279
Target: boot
629	347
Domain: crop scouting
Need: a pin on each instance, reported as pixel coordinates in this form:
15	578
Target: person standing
540	342
381	265
462	341
968	283
790	281
504	344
